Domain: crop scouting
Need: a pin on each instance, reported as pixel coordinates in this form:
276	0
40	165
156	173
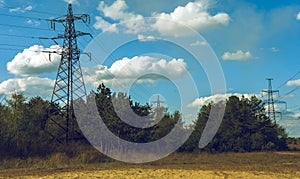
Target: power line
36	28
22	36
19	49
288	80
44	55
34	11
35	37
24	27
12	45
24	17
10	49
294	107
291	91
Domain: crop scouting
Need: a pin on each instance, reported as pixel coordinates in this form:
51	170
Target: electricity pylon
69	84
158	102
159	110
271	101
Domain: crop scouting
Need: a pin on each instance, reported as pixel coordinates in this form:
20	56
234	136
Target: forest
27	128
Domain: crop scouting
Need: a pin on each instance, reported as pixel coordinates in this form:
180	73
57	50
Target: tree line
26	130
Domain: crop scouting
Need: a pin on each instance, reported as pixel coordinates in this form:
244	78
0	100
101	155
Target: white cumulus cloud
117	11
104	25
238	55
33	22
277	107
72	2
143	38
194	15
33	61
293	83
127	69
298	16
19	9
30	86
215	98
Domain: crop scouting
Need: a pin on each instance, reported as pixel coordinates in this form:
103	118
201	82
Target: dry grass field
201	165
164	173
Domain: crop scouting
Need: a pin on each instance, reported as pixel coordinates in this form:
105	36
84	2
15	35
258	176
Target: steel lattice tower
159	109
270	101
158	102
69	84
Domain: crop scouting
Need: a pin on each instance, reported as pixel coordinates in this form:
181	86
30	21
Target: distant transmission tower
159	110
158	102
69	84
271	101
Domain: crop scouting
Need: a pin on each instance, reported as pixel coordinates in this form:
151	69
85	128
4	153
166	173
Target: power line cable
11	49
293	107
22	36
37	28
13	45
34	11
296	88
288	80
24	17
44	55
24	27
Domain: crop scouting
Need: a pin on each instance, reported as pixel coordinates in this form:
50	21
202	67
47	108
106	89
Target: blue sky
252	40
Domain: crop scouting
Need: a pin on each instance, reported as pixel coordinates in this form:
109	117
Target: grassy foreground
200	165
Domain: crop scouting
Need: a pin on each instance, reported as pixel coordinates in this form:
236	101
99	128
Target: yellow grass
202	165
166	173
